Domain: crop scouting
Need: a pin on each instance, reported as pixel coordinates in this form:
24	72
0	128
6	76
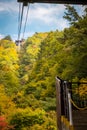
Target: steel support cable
26	20
19	16
20	24
81	109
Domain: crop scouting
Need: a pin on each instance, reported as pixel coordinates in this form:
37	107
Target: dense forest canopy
27	77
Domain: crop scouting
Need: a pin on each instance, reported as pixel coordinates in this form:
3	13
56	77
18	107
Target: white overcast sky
41	18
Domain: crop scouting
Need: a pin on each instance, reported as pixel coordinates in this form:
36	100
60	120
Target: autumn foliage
4	125
27	77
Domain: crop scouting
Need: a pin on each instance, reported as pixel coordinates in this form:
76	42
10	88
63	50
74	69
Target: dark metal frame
83	2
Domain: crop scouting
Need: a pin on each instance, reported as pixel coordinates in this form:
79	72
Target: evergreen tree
71	15
8	37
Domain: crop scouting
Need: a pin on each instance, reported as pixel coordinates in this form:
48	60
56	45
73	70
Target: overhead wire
20	20
26	19
19	17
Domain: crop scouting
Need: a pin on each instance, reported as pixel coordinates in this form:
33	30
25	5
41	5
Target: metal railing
78	92
69	95
64	112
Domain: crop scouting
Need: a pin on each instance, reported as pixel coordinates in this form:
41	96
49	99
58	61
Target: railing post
65	96
58	102
70	109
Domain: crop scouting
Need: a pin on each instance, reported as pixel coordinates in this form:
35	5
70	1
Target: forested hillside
27	77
